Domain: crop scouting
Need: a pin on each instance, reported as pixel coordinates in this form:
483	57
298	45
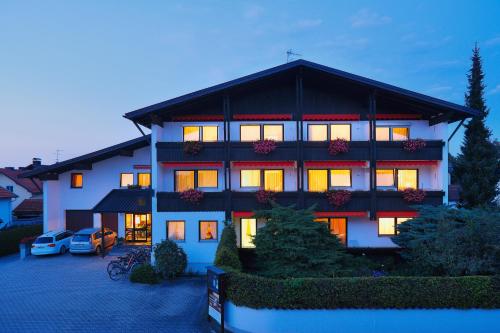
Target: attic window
76	180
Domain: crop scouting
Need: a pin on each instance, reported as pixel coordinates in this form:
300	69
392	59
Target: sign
215	286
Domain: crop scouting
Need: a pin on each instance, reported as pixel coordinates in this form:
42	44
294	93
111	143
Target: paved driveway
74	293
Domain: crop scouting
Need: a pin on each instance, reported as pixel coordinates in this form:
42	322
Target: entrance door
137	227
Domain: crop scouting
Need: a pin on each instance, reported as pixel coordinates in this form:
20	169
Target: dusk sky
69	70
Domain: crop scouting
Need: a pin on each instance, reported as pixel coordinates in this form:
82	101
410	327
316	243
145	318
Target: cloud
309	23
368	18
253	12
495	90
492	41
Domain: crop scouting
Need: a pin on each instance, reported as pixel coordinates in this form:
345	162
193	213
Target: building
6	198
302	107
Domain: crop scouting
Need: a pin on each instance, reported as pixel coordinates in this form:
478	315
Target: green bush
144	274
227	251
10	238
363	292
170	259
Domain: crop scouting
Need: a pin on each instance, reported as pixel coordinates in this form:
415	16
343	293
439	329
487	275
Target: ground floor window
387	225
337	226
248	232
176	230
138	227
208	230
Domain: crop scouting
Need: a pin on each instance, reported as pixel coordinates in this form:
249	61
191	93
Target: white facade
5	212
21	192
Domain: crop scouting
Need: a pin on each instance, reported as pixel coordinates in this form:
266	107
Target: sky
69	70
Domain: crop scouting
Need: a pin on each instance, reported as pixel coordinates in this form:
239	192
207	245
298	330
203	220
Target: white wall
53	214
20	191
361	232
5	212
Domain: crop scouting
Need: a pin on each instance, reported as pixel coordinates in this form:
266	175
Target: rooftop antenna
58	153
290	54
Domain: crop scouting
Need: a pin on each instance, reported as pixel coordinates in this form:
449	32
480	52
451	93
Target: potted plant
412	195
192	196
413	145
264	196
338	146
338	198
264	147
192	147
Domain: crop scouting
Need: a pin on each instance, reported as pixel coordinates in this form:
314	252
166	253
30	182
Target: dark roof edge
133	115
96	156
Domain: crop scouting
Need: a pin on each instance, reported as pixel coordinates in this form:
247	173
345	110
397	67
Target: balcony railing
243	151
393	200
318	151
171	202
247	201
360	201
174	151
393	151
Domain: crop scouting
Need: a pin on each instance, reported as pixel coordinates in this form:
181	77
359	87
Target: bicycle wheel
110	265
116	272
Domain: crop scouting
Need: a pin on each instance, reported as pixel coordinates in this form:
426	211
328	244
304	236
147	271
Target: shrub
10	238
144	274
227	251
363	292
170	259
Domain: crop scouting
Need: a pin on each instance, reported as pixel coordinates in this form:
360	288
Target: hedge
364	292
10	238
227	251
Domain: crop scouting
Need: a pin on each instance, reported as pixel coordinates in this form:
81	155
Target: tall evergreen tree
477	167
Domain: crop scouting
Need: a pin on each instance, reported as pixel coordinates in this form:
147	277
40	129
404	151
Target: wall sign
215	290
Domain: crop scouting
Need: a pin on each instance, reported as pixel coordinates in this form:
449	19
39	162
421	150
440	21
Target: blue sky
69	70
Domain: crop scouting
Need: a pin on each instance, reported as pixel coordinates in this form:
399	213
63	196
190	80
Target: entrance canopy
125	201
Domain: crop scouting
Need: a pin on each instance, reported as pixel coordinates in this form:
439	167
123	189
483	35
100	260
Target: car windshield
81	238
44	240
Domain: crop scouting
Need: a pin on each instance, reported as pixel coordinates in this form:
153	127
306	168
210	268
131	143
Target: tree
227	251
453	242
477	167
291	244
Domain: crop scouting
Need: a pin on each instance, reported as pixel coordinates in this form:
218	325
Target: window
317	132
184	180
250	133
386	133
387	226
176	230
206	133
191	133
385	177
207	178
10	188
273	132
126	179
340	131
208	230
273	180
144	179
76	180
337	227
340	178
248	232
317	180
250	178
407	179
210	133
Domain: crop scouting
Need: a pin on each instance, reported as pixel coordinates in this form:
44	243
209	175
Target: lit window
207	178
340	131
340	178
184	180
338	227
273	180
210	134
144	179
317	132
273	132
208	230
383	133
317	180
321	220
126	179
407	179
191	133
400	220
76	180
400	133
175	230
250	133
250	178
385	177
386	226
248	231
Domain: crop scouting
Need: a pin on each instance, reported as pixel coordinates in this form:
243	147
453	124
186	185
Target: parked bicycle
123	265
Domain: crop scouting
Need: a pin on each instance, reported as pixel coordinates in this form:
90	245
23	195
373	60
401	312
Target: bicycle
125	264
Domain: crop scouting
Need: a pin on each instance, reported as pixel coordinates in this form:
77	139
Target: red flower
192	147
264	146
338	146
338	198
264	196
412	145
192	196
413	195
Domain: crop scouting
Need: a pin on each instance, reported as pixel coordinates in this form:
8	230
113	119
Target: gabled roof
33	188
29	206
125	201
6	194
123	148
139	115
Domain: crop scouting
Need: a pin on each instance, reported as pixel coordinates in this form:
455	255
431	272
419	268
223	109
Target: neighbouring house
363	152
6	198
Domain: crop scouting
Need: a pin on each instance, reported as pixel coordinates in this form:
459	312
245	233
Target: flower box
338	198
264	146
192	196
411	195
338	146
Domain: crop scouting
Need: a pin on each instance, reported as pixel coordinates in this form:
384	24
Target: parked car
89	240
52	242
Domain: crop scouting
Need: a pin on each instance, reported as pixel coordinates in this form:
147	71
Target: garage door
110	220
79	219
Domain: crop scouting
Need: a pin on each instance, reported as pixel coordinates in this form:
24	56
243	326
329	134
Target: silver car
89	241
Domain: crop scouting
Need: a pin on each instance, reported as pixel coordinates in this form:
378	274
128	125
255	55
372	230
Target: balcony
246	201
171	202
243	151
393	151
174	151
360	201
393	200
318	151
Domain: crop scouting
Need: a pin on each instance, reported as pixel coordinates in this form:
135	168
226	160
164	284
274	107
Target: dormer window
251	133
76	180
200	133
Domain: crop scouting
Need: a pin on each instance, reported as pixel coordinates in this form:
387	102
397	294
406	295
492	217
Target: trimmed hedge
364	292
10	238
227	251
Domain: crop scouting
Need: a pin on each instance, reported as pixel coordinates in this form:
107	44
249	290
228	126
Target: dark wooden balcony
360	201
393	151
243	151
171	202
247	201
318	151
174	151
393	200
